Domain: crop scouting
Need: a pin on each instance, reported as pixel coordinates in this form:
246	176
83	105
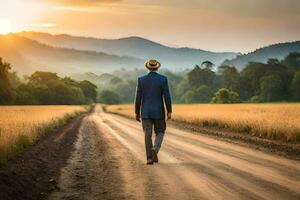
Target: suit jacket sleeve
138	98
167	97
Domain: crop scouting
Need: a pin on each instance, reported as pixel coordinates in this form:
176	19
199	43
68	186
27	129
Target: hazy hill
27	56
100	80
172	58
278	51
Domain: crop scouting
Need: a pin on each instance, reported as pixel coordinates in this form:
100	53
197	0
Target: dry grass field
272	121
21	126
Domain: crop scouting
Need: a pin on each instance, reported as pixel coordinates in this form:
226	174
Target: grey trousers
159	129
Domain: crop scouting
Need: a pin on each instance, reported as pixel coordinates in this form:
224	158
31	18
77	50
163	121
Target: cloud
41	26
239	8
45	25
81	2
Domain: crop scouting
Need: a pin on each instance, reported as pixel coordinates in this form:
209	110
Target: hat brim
147	65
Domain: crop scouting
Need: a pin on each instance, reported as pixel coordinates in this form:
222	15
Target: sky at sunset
216	25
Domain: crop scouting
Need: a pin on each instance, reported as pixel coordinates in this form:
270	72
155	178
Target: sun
5	26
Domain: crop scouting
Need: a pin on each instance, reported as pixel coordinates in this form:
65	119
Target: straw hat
152	64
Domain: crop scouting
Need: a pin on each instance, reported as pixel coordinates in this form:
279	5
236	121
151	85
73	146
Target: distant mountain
278	51
171	58
27	56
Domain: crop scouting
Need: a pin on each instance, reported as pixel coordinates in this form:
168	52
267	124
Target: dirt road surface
108	162
102	156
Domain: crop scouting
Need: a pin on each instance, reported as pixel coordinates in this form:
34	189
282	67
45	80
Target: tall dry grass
21	126
272	121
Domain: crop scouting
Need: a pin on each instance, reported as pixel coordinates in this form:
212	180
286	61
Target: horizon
225	26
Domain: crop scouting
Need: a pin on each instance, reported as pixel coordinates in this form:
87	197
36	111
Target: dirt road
102	156
109	156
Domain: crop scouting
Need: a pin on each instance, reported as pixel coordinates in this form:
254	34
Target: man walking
152	91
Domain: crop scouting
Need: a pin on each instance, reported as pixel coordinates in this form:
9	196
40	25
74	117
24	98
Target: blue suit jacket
152	91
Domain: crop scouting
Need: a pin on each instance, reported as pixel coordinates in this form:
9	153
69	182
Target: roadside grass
22	126
268	121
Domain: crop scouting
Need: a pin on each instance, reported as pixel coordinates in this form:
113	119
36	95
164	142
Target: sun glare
5	26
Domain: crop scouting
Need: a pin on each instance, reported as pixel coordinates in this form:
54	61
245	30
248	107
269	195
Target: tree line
43	88
274	81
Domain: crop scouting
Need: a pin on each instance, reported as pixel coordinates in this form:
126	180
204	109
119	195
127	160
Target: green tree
203	94
252	74
89	90
24	95
250	77
61	93
25	98
224	95
255	99
296	86
229	77
81	92
42	77
78	96
292	61
200	95
175	80
41	86
271	88
199	76
193	76
14	79
109	97
125	90
70	82
41	93
6	91
48	88
180	90
189	97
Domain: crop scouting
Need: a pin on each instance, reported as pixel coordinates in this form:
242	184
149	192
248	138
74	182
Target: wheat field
271	121
20	126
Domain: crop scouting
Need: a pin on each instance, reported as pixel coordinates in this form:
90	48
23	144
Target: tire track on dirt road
278	177
109	163
32	174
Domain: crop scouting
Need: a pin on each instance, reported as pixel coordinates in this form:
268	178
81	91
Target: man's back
152	90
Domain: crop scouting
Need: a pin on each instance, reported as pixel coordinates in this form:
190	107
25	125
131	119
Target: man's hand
169	116
138	117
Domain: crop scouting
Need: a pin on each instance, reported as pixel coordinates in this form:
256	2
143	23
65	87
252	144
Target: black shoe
154	154
150	162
